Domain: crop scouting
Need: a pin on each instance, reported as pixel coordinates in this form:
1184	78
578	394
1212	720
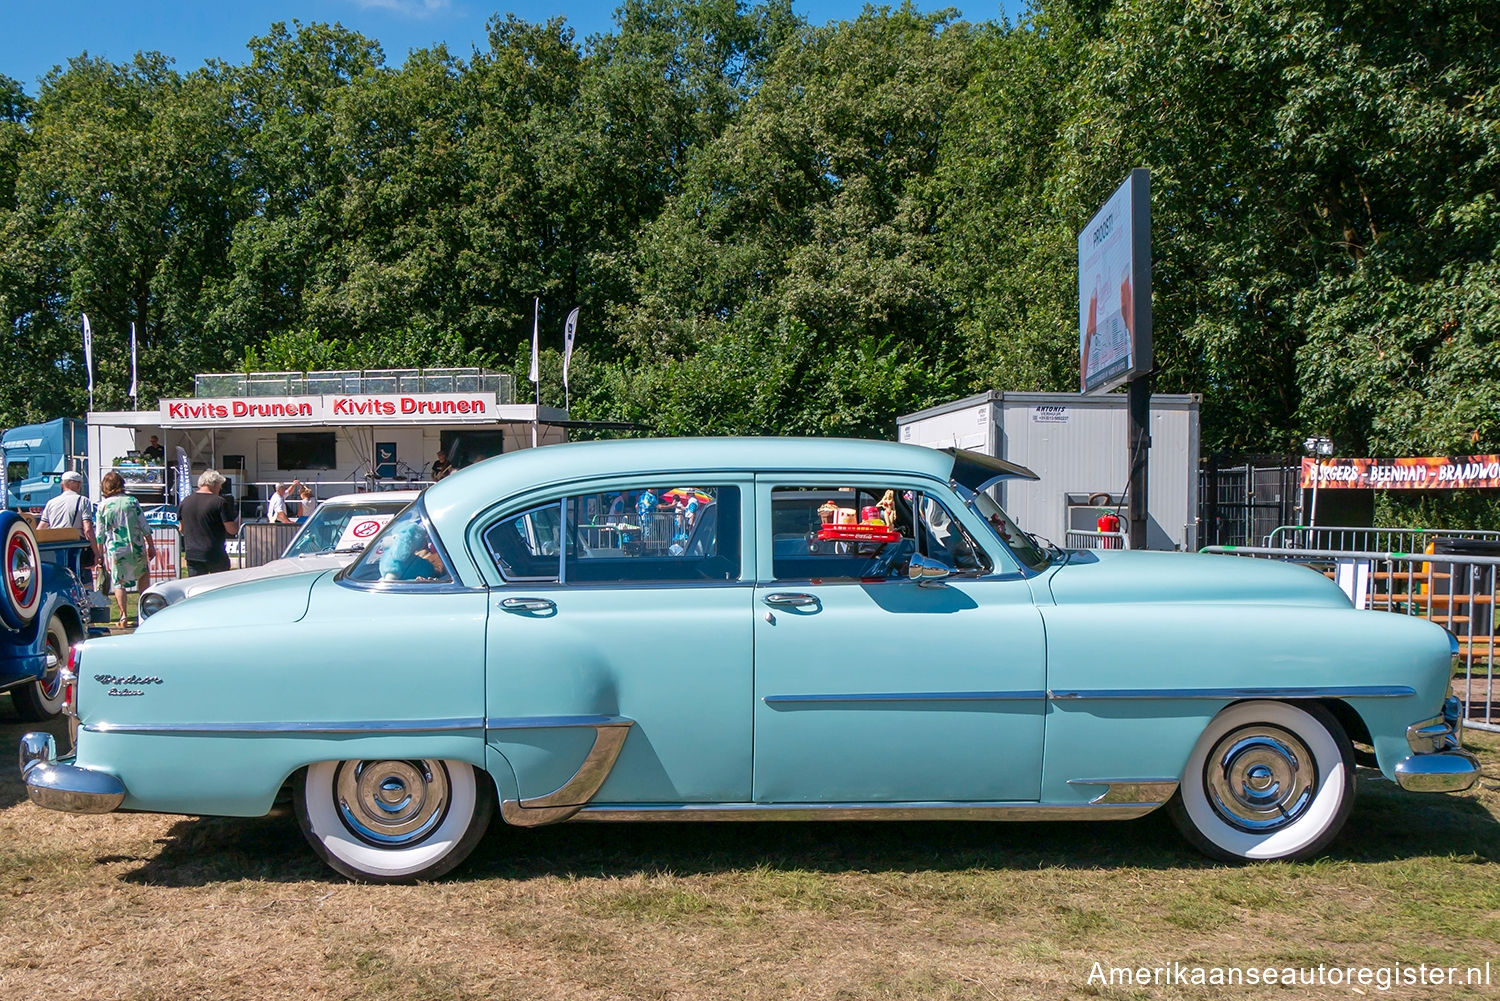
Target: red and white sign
340	409
361	530
1437	472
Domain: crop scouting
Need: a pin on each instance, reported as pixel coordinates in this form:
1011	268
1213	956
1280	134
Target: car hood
1095	577
188	587
264	602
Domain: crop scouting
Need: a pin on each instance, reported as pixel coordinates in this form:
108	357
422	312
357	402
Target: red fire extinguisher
1109	522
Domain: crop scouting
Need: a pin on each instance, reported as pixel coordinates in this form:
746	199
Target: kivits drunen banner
1437	472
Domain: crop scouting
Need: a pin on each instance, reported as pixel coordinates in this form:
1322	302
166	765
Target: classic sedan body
752	629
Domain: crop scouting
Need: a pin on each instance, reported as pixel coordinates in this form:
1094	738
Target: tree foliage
778	228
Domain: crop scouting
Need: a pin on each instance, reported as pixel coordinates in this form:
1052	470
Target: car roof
452	502
402	497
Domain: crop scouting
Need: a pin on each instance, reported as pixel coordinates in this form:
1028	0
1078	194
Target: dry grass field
146	907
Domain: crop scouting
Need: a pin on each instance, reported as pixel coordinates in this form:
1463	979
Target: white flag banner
88	353
536	319
132	360
569	330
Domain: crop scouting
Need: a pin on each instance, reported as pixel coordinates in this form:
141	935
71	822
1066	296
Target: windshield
343	526
1021	544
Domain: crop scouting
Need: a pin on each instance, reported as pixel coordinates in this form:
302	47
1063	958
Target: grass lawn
148	907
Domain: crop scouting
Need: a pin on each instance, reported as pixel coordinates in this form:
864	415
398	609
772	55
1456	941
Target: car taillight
70	693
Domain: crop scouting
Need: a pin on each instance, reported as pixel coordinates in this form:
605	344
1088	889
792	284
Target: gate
1240	502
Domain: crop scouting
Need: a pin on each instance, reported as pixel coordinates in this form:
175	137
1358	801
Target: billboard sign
1114	288
1438	472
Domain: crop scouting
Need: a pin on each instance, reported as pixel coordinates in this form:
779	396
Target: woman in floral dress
120	525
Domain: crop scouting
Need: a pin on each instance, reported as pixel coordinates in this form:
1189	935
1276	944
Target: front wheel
1266	780
42	699
393	821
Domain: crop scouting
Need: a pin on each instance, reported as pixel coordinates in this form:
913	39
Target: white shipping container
1078	445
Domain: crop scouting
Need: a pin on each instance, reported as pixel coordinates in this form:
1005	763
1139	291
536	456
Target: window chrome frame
584	487
453	585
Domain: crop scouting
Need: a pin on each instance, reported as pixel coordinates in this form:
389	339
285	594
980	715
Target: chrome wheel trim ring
20	571
51	681
392	804
1260	778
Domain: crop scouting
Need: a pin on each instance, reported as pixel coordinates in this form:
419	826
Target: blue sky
39	34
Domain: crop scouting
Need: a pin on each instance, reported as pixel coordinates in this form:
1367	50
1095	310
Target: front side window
651	535
404	552
864	533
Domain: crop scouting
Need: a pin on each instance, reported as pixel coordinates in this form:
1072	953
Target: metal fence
1339	538
1083	539
1241	504
395	380
1456	591
264	541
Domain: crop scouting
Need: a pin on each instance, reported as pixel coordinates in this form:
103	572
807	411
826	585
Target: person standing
276	506
205	519
125	539
153	452
309	504
71	509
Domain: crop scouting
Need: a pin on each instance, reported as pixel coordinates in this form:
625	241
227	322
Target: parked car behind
44	610
840	630
332	536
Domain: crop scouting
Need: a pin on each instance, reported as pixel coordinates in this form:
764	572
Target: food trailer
337	432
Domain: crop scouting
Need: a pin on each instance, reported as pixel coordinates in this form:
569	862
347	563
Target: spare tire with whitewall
21	588
1266	780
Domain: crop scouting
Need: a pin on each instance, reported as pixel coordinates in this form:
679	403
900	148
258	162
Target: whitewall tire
21	572
393	821
1266	780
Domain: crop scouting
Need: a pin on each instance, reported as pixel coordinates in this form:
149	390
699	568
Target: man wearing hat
70	509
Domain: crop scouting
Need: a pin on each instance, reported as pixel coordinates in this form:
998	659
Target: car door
871	687
616	605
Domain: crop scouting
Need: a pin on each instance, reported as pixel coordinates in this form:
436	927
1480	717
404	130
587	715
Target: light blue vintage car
752	629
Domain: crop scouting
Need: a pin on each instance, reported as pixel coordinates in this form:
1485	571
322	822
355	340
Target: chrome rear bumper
1438	762
65	787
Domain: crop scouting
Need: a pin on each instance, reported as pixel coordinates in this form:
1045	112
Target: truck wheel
21	589
42	699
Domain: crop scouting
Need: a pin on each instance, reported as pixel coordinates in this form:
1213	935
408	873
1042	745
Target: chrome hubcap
392	803
1259	778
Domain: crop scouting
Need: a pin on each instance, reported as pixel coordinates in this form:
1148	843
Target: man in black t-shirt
205	520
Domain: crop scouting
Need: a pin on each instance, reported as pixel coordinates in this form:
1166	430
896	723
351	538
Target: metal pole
1140	451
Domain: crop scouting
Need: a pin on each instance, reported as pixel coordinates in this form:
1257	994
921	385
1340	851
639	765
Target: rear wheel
42	699
394	821
1266	780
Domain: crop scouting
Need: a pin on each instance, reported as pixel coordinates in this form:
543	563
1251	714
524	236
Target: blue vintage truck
36	456
44	611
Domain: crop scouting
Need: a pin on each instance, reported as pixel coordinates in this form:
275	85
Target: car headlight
151	604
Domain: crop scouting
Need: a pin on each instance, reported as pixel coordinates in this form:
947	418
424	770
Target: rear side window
864	533
650	535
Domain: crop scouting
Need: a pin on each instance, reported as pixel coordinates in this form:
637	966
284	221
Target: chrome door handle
528	605
791	599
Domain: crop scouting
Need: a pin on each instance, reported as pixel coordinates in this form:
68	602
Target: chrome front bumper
1438	762
65	787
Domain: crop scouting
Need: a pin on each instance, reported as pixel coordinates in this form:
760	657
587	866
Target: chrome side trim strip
1130	790
997	811
351	727
1344	692
551	722
908	697
567	799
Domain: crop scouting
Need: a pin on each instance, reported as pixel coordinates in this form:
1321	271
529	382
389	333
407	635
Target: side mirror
925	570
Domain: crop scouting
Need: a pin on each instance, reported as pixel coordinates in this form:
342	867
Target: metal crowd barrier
1455	591
1340	538
1085	539
264	541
